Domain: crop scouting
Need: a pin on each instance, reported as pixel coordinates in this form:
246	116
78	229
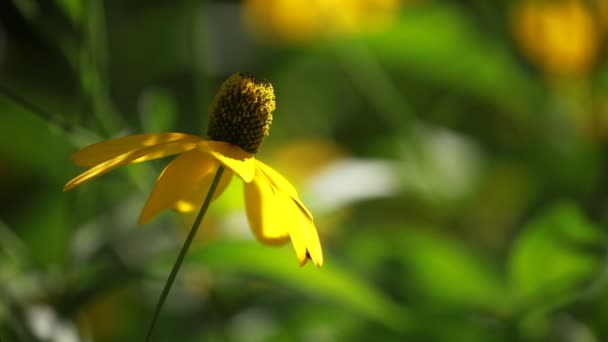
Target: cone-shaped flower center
241	113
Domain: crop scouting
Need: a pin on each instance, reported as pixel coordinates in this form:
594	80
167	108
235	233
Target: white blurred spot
350	180
446	165
42	320
48	327
253	325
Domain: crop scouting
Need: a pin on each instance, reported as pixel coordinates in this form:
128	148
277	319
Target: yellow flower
304	20
239	120
561	37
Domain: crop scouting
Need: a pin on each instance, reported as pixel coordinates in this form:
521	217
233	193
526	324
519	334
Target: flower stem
184	250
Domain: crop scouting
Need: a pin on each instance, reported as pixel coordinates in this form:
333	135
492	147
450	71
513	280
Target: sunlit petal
110	149
313	244
294	222
302	231
282	184
265	211
122	159
274	215
177	179
194	199
234	157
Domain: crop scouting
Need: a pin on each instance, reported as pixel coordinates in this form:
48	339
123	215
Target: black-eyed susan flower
239	120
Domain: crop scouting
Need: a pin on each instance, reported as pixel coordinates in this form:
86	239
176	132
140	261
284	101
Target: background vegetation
453	152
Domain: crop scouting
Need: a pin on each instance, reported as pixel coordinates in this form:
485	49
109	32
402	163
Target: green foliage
456	178
556	254
448	271
459	56
330	284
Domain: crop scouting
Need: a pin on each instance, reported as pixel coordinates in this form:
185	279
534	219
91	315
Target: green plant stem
184	250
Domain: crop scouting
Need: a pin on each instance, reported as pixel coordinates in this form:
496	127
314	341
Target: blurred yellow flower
602	9
239	120
561	37
301	20
304	159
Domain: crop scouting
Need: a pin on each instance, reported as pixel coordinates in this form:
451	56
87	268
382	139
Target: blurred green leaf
441	44
29	8
329	282
158	110
163	36
72	8
48	230
33	145
449	271
554	255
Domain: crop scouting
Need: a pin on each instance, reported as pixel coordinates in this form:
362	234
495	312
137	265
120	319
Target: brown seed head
241	113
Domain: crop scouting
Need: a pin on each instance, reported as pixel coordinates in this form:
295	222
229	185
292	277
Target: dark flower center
241	112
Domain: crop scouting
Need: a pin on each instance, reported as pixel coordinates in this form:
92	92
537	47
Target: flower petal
265	211
122	159
302	232
194	199
279	182
277	179
110	149
313	244
176	180
234	157
273	215
294	223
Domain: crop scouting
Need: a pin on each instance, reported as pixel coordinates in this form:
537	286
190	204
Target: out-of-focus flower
560	37
306	158
602	9
302	20
240	118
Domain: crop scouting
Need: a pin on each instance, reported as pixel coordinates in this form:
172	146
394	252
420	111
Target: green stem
184	250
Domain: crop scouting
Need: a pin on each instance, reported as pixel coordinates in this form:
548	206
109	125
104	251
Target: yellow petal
122	159
264	212
294	222
177	179
279	182
110	149
194	199
234	157
302	232
273	215
313	244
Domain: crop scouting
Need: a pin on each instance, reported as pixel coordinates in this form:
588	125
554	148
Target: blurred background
454	154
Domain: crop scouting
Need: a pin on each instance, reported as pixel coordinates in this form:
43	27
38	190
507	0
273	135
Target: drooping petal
264	212
194	199
302	232
279	182
234	157
274	213
177	179
122	159
277	179
313	244
294	222
110	149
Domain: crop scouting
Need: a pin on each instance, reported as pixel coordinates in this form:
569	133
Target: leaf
449	271
72	8
34	160
554	255
440	44
30	145
48	230
279	264
158	110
